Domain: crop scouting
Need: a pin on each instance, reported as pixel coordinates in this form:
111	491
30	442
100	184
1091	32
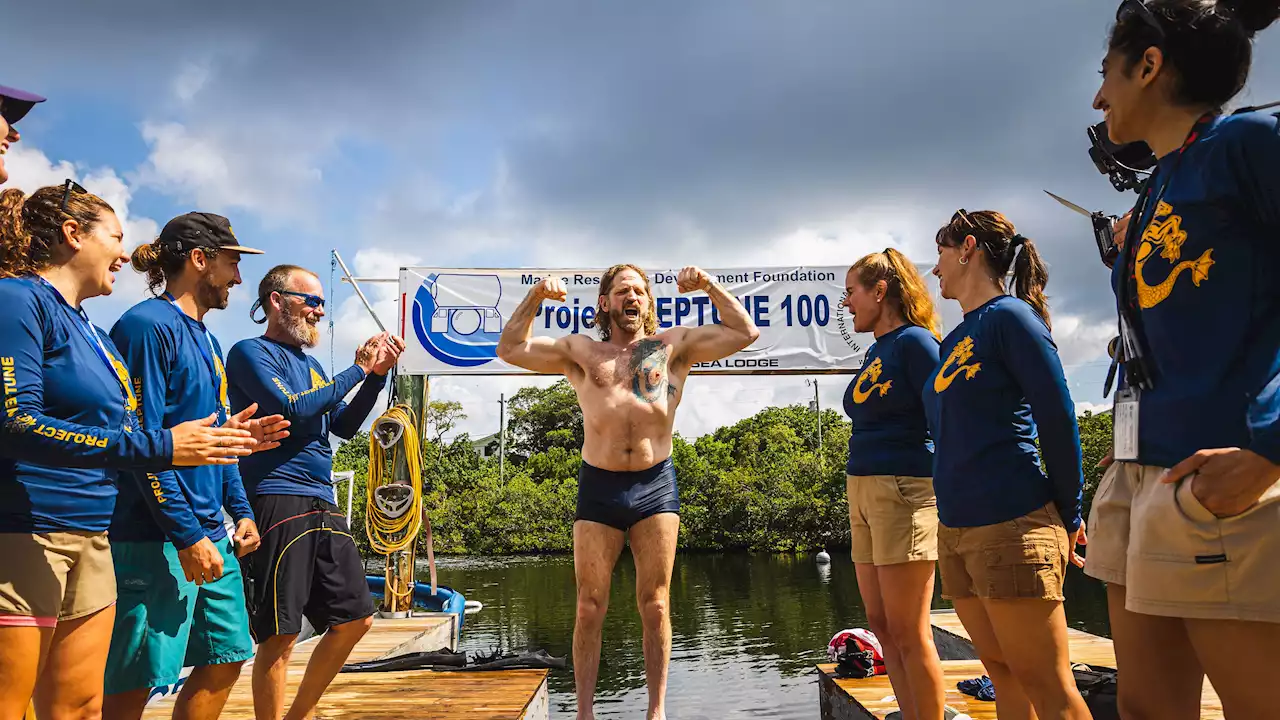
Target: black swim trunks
307	566
621	499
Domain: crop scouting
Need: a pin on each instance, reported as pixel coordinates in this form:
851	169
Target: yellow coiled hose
390	535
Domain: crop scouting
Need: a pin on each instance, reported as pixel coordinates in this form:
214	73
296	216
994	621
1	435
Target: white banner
451	318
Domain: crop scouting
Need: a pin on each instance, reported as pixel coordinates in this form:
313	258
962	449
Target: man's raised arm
519	347
713	342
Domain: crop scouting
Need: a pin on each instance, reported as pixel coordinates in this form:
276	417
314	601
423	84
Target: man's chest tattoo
648	369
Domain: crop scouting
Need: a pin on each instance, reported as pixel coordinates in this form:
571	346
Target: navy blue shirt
890	432
283	379
170	355
68	424
1208	291
1000	383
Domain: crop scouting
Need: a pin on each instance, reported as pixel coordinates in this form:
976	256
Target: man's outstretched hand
268	430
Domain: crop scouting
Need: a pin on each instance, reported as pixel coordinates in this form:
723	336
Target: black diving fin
534	659
443	657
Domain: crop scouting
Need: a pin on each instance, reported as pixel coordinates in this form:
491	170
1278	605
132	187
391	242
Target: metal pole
359	292
351	487
409	390
817	404
502	437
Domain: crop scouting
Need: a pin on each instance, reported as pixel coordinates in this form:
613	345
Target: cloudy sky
581	133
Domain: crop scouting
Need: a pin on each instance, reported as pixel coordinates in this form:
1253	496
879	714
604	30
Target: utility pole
502	437
816	405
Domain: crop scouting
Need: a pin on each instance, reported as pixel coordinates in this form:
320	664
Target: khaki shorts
893	518
1177	559
47	577
1023	558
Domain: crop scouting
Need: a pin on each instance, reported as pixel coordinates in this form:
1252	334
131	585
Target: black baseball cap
203	230
15	104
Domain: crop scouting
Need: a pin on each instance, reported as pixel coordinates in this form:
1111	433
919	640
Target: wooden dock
418	694
872	698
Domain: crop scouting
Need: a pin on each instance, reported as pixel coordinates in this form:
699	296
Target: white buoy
823	557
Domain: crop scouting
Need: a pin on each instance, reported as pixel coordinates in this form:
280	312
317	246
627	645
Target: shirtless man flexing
628	385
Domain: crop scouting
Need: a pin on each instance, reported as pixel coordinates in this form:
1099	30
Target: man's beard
619	319
301	332
212	296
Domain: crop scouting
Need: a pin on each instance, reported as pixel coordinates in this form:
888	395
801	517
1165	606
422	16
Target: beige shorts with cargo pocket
1020	559
1176	558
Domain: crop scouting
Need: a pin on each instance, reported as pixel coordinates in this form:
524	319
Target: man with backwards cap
14	105
181	595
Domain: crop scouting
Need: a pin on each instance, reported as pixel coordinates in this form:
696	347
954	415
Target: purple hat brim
19	103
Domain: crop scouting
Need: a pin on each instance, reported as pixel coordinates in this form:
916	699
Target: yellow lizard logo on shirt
872	373
1168	236
960	355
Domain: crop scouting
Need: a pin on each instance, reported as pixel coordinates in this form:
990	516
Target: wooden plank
868	697
419	694
874	696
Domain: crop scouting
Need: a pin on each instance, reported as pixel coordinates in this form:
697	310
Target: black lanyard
1130	314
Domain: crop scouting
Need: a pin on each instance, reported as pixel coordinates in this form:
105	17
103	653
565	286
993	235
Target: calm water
746	629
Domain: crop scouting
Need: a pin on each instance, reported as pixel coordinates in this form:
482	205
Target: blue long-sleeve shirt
1001	381
890	433
67	425
167	349
1209	296
283	379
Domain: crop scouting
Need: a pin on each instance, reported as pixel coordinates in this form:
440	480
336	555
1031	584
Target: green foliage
542	418
762	484
1095	444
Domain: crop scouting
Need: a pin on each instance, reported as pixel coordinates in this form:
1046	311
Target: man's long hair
604	323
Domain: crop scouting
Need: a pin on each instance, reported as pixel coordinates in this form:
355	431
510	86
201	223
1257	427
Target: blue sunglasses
312	301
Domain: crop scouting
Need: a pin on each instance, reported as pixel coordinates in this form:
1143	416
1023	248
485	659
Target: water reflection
746	629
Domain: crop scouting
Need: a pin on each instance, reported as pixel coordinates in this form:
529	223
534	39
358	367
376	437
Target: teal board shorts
165	622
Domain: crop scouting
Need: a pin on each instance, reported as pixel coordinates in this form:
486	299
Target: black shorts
308	565
621	499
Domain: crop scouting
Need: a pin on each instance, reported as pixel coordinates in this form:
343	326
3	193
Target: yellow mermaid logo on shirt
961	354
130	398
1168	236
872	373
222	386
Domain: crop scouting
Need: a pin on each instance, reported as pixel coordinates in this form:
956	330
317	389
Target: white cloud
190	81
1095	408
31	169
262	170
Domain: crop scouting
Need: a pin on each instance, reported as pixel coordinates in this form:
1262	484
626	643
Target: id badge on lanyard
1124	417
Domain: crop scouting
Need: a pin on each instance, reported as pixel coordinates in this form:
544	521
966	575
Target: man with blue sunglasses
321	576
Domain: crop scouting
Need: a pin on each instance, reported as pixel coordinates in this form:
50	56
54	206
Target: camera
1122	164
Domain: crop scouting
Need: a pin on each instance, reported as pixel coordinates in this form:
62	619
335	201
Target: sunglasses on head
961	214
1139	8
312	301
67	187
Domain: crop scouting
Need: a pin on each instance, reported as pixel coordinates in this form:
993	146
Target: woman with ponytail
1006	529
893	515
69	425
1186	521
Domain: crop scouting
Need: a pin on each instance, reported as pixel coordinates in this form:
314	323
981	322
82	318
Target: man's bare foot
659	714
